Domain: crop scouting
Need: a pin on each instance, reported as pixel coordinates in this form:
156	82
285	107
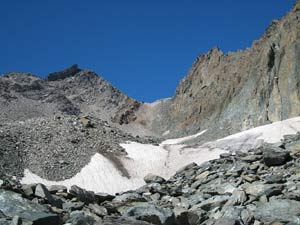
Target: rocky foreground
258	187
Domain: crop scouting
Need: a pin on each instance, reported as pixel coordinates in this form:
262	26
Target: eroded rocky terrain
259	187
54	125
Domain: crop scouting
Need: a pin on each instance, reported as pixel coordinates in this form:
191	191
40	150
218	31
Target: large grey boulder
282	210
275	156
152	214
83	195
12	204
151	178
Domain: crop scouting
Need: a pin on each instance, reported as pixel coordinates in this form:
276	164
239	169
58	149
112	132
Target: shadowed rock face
240	89
63	74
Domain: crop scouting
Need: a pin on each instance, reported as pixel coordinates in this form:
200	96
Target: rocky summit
75	150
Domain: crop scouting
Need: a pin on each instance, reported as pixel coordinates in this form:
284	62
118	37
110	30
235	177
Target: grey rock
151	178
238	198
152	214
83	195
80	218
42	192
227	221
102	197
259	189
12	204
57	188
281	210
63	74
191	217
113	220
98	210
16	221
211	203
72	206
275	157
29	189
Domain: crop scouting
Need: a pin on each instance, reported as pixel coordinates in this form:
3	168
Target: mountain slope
69	92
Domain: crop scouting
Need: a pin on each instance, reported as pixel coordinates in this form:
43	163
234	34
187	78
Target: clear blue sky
142	47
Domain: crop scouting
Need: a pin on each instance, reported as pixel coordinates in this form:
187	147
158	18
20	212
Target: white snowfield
101	175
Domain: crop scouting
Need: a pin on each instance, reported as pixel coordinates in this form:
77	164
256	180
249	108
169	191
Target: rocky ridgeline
229	92
260	187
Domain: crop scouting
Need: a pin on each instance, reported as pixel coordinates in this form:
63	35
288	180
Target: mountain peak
60	75
296	6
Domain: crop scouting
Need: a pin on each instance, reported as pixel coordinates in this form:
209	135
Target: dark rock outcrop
63	74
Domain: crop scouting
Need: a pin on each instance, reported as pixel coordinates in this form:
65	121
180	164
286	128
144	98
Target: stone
259	189
191	217
69	72
281	210
16	220
102	197
53	189
73	206
98	210
152	214
29	189
275	178
293	148
12	204
187	167
86	122
151	178
83	195
238	198
80	218
227	221
211	203
42	192
202	176
251	158
275	156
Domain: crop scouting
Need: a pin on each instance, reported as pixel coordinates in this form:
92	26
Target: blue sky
142	47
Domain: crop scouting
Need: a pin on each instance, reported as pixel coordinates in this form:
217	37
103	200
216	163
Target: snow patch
101	175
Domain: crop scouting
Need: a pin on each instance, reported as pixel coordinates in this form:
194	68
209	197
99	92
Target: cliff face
239	90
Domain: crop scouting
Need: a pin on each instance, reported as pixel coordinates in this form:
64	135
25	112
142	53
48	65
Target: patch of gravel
57	148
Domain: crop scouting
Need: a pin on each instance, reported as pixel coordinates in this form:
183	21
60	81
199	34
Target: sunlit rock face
242	89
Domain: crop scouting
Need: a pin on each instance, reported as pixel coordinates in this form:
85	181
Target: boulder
275	156
151	178
98	210
227	221
259	189
83	195
42	192
57	188
29	189
102	197
281	210
152	214
12	204
191	217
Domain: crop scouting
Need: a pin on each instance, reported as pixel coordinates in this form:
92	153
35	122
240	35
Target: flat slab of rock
281	210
